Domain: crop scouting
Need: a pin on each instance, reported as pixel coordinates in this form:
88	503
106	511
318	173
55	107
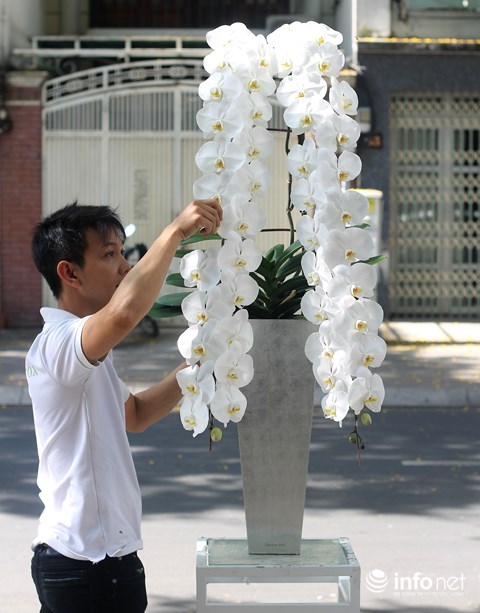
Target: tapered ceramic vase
274	436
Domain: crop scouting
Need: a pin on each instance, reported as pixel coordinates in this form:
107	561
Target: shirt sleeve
63	356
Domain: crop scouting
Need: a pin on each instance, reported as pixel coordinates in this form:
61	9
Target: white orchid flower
347	246
194	415
219	155
320	33
199	269
328	61
342	97
224	59
217	187
366	390
228	404
234	368
326	174
243	217
303	195
328	371
305	114
317	307
255	79
347	131
288	52
326	133
197	382
239	256
315	269
253	177
335	404
302	160
220	86
257	143
300	85
324	344
201	343
358	281
343	209
263	55
311	232
225	36
258	111
349	166
217	118
241	290
363	315
198	387
237	332
200	307
367	350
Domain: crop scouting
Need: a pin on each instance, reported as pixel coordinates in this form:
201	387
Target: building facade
98	102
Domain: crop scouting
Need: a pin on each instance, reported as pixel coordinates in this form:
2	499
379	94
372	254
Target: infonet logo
416	584
377	581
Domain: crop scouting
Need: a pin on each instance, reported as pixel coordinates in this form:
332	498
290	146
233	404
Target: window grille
434	200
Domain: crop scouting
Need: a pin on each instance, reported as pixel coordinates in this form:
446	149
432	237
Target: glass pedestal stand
227	561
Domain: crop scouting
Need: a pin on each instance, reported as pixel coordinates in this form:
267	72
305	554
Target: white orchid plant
325	275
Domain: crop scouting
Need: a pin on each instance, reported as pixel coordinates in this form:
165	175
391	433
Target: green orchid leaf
175	279
274	252
162	312
172	300
290	266
373	260
198	238
262	283
287	253
257	312
179	253
362	226
266	270
289	310
297	283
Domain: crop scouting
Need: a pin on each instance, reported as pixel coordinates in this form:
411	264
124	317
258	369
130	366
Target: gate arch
126	135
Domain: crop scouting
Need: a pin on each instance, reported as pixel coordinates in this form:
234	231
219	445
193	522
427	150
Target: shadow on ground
417	461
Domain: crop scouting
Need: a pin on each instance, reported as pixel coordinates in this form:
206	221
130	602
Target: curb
458	397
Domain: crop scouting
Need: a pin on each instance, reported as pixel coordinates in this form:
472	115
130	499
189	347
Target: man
85	558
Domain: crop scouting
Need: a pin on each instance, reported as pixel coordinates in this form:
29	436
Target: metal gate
434	207
126	135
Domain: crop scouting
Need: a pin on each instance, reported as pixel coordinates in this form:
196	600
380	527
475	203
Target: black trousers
64	585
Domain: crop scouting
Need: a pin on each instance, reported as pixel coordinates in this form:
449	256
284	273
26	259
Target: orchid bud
216	435
366	419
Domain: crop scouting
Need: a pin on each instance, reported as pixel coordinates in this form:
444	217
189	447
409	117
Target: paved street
412	507
410	510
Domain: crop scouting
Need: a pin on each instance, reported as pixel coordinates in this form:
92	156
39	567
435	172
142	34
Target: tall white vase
274	436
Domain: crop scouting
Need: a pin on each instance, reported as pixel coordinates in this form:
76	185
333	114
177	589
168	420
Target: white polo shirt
86	474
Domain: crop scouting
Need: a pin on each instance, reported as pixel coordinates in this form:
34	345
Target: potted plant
242	301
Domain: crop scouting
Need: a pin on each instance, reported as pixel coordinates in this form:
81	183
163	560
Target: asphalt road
411	509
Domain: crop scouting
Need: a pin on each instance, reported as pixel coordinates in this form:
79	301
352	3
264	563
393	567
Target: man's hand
202	216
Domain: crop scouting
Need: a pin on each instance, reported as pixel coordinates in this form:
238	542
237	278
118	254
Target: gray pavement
410	510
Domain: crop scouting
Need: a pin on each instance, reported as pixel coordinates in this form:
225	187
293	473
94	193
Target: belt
50	551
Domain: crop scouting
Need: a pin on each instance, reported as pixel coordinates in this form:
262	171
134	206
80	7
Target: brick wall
20	201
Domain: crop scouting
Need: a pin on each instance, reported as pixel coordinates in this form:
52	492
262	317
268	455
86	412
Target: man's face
103	270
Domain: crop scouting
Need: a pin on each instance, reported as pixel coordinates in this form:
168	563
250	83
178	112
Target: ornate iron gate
434	199
126	135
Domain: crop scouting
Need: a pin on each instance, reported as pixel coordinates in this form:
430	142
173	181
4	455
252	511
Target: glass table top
314	552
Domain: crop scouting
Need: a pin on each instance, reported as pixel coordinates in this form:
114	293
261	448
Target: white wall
19	20
374	18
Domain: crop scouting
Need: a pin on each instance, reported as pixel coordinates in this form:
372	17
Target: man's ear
67	273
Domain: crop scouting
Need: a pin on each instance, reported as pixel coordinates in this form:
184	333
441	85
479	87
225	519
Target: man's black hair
63	236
